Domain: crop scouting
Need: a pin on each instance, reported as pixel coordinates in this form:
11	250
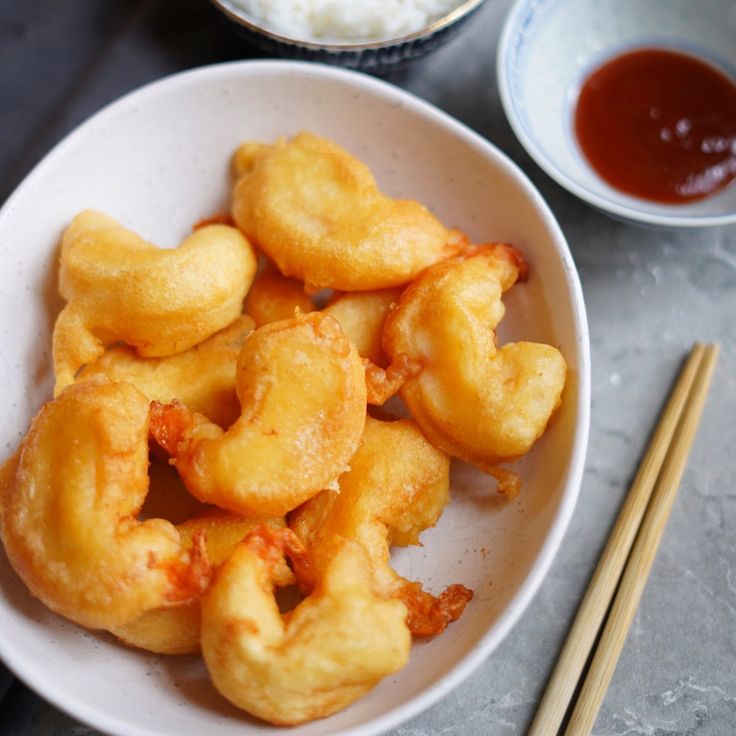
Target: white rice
345	20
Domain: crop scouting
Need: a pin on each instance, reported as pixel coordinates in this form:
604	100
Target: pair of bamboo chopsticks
626	561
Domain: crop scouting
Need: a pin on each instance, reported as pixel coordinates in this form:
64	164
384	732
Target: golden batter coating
118	287
202	378
361	315
397	486
473	400
301	386
175	629
335	646
317	212
274	297
69	512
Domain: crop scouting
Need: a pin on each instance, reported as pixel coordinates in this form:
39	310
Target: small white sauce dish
547	50
375	56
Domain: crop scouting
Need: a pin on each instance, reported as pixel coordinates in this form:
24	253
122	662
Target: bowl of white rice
372	35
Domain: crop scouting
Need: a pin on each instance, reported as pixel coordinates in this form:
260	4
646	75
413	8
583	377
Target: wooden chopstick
642	556
592	611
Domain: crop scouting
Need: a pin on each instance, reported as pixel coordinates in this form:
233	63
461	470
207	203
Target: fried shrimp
118	287
69	512
337	644
282	450
397	486
361	315
175	629
473	400
274	297
202	378
316	211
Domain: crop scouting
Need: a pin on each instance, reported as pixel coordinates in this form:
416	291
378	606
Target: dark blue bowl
376	57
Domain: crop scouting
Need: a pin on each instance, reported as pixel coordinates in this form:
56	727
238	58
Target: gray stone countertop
649	295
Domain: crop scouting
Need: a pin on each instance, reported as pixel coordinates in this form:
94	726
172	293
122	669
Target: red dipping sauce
659	125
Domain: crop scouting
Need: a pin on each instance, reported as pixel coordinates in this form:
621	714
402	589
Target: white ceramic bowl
547	49
158	160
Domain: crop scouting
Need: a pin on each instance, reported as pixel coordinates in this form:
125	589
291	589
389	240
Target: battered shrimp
69	512
175	629
361	315
472	400
118	287
396	487
301	386
202	378
167	496
316	211
332	648
274	297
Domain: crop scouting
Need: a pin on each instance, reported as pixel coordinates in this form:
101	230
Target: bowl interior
550	47
158	160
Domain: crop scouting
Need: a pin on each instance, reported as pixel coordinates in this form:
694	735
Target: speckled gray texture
649	294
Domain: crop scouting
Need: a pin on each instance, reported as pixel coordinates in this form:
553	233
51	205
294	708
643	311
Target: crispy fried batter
361	315
202	378
118	287
265	414
301	386
168	497
274	297
316	211
396	487
69	512
332	648
175	629
472	400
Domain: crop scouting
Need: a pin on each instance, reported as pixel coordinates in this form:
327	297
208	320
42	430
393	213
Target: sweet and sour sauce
660	125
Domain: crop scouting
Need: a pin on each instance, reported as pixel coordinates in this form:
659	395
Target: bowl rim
509	32
92	715
240	17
